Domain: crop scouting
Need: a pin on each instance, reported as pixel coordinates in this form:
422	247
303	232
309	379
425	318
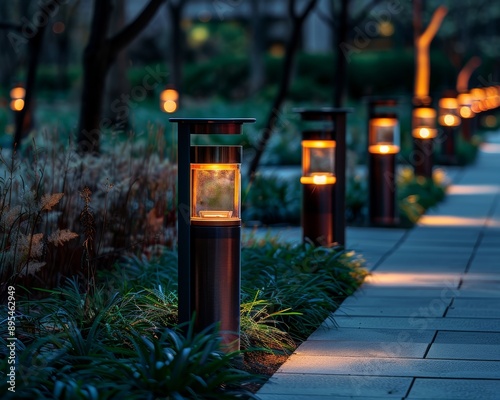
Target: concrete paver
426	323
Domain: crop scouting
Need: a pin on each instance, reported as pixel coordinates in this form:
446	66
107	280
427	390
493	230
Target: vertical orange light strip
423	64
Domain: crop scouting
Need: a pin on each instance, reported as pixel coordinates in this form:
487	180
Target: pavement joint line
410	386
479	239
396	246
430	344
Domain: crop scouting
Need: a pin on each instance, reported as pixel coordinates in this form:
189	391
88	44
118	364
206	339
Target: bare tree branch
123	38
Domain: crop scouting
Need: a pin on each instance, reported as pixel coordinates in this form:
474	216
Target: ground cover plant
89	246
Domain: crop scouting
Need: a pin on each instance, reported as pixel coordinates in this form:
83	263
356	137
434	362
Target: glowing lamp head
424	123
383	134
17	95
215	185
449	112
169	99
318	162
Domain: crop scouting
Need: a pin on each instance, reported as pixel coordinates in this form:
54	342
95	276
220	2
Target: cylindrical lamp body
383	210
215	236
318	181
383	146
423	131
215	266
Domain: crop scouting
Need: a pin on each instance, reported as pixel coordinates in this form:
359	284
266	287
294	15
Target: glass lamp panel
449	112
383	136
318	162
424	123
215	192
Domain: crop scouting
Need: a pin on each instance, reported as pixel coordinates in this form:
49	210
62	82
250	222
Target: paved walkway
426	324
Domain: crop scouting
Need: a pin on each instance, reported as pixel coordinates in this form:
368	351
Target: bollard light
323	175
424	123
448	112
383	146
215	185
169	100
449	119
209	228
423	131
318	160
383	134
17	95
478	96
464	101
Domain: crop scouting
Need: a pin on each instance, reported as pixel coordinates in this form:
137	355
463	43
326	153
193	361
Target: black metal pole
340	117
185	305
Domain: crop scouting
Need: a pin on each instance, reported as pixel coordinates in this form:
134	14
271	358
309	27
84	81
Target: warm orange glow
465	73
448	102
452	220
215	192
449	120
424	123
169	94
422	44
424	133
472	189
318	162
464	99
318	178
17	104
411	279
215	167
216	214
424	112
466	112
383	136
386	28
383	121
477	94
169	106
383	149
17	93
318	144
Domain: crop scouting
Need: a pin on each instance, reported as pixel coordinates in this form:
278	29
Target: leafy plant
272	200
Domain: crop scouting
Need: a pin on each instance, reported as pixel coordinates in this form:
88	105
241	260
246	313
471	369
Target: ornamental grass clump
63	214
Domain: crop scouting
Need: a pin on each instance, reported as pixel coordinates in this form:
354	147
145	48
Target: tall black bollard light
383	147
323	175
448	119
209	227
424	132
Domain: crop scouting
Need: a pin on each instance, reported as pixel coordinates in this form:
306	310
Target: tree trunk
177	48
117	81
257	66
100	52
95	67
286	73
341	62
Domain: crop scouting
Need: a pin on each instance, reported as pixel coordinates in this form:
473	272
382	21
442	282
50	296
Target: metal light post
323	175
423	132
209	227
449	119
464	101
383	147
